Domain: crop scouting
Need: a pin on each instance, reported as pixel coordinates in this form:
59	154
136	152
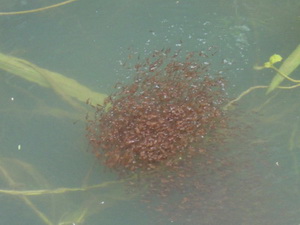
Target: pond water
43	138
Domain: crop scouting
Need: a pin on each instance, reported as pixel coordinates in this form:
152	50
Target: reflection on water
87	41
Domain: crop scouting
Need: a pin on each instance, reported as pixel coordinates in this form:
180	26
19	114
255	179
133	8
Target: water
87	41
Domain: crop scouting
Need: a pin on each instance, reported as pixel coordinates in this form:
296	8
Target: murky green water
43	144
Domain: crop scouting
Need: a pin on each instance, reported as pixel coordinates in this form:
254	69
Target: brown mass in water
164	117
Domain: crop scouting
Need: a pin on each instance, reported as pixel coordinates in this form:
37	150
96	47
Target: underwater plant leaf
288	66
64	86
275	58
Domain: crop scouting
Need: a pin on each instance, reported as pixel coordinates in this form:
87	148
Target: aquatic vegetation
289	65
37	10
